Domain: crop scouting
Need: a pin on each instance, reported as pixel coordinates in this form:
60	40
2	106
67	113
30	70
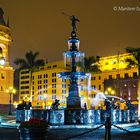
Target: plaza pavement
9	131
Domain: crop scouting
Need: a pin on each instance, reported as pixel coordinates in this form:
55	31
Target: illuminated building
114	71
44	81
112	67
126	88
6	71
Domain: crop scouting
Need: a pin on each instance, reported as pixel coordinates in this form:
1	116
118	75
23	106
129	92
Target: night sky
104	28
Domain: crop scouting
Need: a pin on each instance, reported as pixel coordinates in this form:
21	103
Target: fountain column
74	57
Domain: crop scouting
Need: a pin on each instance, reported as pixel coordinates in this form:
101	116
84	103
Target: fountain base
76	116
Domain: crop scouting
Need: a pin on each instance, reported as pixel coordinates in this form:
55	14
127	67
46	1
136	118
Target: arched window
0	51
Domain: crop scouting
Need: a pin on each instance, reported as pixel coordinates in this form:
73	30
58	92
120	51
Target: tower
6	71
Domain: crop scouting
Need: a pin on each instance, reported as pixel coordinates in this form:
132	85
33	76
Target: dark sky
39	25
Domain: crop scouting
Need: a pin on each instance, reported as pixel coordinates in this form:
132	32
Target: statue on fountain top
73	23
74	20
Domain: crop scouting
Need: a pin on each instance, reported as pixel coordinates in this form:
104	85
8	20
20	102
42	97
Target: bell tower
5	40
6	71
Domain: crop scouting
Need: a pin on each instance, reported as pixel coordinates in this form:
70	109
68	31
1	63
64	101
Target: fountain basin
83	117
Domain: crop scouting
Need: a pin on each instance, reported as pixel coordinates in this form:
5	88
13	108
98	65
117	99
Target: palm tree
91	64
136	54
30	62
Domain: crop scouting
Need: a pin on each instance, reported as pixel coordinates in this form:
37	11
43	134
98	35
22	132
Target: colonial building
112	67
6	71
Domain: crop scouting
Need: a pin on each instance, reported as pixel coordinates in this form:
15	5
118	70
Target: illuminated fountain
74	113
73	57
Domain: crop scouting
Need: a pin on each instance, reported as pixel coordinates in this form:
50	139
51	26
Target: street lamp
110	91
45	98
10	91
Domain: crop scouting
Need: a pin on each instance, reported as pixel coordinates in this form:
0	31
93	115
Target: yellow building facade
46	86
113	67
6	71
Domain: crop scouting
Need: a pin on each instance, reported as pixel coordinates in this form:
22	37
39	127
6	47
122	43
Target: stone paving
9	131
69	134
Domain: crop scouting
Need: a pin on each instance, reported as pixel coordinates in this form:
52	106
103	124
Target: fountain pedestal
73	100
73	103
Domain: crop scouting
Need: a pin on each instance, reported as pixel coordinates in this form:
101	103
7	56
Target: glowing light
2	61
109	89
106	92
112	92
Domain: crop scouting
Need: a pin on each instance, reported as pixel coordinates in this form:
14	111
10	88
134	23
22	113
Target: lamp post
45	98
10	91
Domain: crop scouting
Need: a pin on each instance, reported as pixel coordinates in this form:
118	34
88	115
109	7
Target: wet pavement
73	134
9	131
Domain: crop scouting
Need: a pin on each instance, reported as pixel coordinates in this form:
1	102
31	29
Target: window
53	85
93	78
54	97
63	97
53	74
45	75
45	81
49	67
54	66
134	74
24	72
110	76
24	87
2	76
99	87
99	77
45	91
45	86
24	92
118	76
63	80
39	82
39	92
40	97
126	75
39	76
24	82
63	85
53	91
82	87
24	77
64	91
39	87
1	88
53	80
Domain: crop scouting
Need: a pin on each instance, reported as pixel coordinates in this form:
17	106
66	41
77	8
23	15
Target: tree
30	62
136	54
91	64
